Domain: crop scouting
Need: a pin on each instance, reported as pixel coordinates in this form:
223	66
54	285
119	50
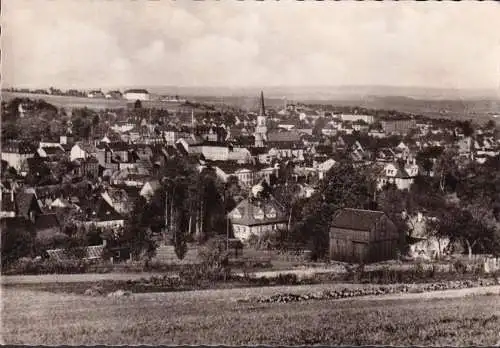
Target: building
114	95
95	94
16	154
355	117
358	235
101	214
398	126
402	176
260	133
136	94
81	151
257	216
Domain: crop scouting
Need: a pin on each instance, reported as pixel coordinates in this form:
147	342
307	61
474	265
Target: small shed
358	235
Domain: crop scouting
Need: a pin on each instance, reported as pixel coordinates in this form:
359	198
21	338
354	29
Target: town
250	173
136	179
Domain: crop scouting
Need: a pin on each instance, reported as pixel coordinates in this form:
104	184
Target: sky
108	43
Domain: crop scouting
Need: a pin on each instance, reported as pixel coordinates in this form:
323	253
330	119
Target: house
149	189
86	167
27	204
136	94
121	198
465	147
398	126
355	117
386	155
95	94
402	151
135	177
324	167
402	176
16	153
257	216
360	126
285	145
51	153
421	244
114	95
80	151
358	235
99	213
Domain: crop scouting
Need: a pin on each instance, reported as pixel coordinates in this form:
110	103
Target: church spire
262	111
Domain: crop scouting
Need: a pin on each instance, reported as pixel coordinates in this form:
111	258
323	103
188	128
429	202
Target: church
260	133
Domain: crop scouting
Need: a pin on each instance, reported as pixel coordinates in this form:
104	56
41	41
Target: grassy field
203	317
91	103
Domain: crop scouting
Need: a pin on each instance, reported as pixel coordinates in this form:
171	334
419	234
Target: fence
93	252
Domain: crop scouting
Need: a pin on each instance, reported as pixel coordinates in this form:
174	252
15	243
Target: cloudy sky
92	43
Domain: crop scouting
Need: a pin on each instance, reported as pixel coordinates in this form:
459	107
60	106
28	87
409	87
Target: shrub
49	266
460	267
286	279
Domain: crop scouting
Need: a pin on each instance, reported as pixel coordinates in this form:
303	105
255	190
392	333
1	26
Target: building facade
363	236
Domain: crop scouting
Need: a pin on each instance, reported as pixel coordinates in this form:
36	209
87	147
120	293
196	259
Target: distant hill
330	92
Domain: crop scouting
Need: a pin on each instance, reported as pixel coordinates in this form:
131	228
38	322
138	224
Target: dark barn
358	235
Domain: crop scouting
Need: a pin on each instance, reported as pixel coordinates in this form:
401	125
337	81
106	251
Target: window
237	214
271	213
259	214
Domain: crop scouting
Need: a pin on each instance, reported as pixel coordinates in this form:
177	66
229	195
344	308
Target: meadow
217	317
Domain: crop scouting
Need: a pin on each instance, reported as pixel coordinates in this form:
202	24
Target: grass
214	317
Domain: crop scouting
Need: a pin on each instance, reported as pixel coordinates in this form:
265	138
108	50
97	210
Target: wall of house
215	153
77	153
136	96
398	126
379	244
105	224
16	160
352	118
243	232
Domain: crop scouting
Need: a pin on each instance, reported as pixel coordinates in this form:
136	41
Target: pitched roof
47	221
53	150
24	202
136	90
288	136
97	208
251	212
356	219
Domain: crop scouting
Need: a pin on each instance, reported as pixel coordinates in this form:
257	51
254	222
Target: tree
18	239
138	235
474	228
343	187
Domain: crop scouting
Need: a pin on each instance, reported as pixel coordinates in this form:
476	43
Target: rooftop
356	219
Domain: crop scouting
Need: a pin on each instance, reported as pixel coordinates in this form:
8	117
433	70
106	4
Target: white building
257	216
355	117
402	177
136	94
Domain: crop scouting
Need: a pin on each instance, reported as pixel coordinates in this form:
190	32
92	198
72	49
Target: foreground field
214	316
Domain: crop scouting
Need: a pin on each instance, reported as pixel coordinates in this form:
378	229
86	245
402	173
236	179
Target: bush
49	266
460	267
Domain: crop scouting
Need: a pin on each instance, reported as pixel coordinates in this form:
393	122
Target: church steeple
262	111
261	128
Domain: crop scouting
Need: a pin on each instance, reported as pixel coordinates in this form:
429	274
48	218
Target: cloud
109	43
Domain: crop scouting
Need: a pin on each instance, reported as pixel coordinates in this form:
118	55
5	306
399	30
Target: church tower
261	128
